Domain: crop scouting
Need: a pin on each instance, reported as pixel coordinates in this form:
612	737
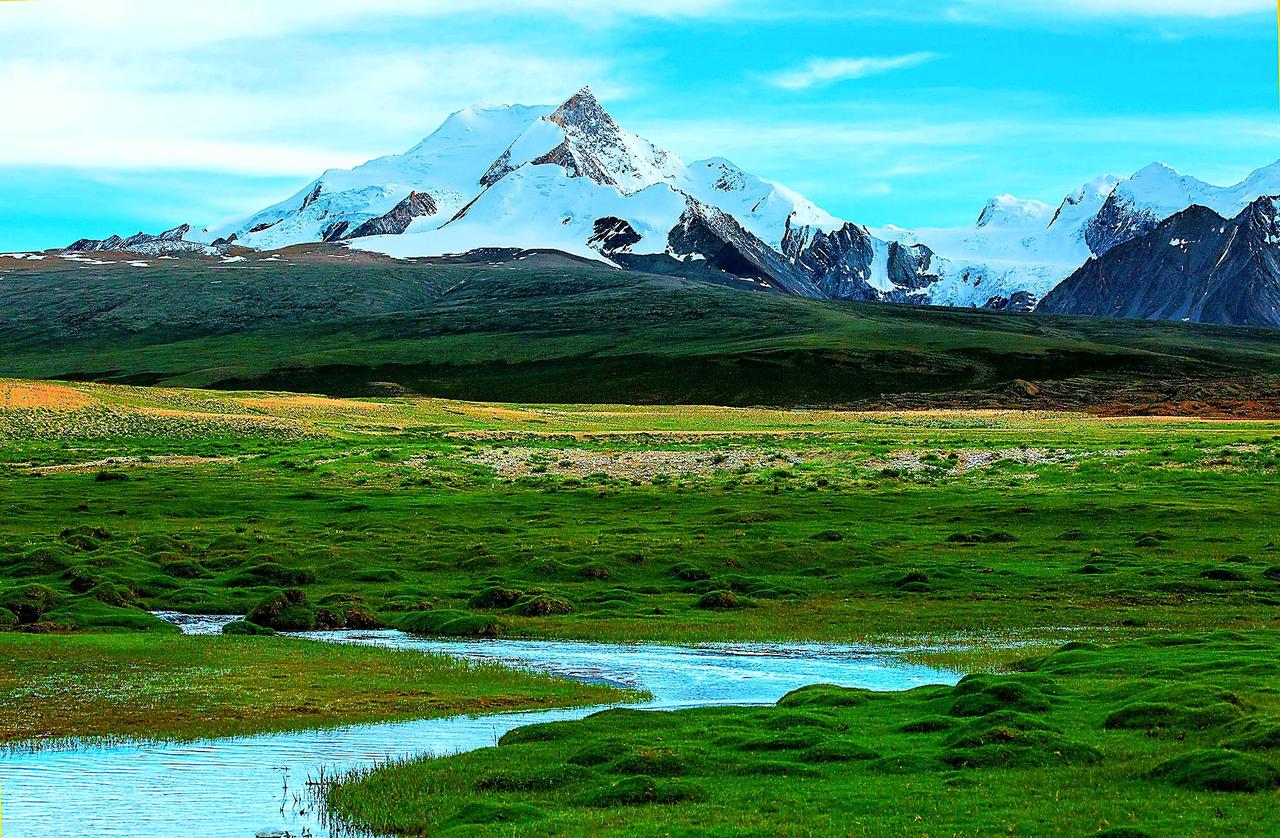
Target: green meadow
1148	545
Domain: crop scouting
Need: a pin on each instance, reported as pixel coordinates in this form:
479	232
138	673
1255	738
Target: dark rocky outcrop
1022	301
170	241
613	235
395	222
708	235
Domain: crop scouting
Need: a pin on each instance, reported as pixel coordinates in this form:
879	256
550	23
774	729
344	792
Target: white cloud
823	71
1166	9
162	24
278	107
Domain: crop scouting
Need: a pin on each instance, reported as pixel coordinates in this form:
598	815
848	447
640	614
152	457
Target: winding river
256	785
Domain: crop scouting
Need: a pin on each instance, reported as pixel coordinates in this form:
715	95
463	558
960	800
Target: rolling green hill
545	327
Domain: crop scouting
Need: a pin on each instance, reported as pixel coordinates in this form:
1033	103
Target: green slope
550	328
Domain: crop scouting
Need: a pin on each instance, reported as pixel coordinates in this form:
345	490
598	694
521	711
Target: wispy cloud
819	72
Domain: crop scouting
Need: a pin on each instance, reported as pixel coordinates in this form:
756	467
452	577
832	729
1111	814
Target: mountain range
569	178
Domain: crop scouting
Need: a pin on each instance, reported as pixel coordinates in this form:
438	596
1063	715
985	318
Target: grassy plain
1153	537
628	522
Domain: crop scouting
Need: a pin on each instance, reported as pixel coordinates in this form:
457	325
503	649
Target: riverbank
267	784
60	689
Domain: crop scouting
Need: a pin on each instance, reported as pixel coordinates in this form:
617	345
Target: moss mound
284	611
479	813
450	624
28	604
839	750
246	628
496	597
929	724
542	605
1218	769
825	695
1014	740
687	572
641	790
792	740
720	601
1177	717
982	695
272	573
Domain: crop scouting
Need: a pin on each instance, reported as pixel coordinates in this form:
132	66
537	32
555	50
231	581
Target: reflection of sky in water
238	787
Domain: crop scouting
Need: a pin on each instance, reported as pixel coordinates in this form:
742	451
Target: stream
247	786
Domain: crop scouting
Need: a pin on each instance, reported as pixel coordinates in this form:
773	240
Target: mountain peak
1008	210
583	110
1156	169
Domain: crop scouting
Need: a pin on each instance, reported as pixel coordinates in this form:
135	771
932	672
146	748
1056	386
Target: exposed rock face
613	236
170	241
1196	266
1020	301
839	262
395	222
707	234
1117	222
851	264
596	147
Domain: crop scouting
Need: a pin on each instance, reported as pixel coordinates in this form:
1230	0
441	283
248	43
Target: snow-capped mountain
570	178
493	173
1015	253
1195	266
1137	205
1018	250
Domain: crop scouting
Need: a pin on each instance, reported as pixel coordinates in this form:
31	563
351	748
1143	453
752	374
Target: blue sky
120	115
